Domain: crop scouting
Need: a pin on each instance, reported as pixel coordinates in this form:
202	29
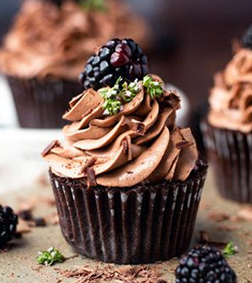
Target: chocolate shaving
132	274
204	237
171	98
91	180
139	128
126	143
125	146
182	144
50	147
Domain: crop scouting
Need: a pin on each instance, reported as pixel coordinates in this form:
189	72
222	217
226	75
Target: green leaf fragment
154	88
50	256
117	95
98	5
230	249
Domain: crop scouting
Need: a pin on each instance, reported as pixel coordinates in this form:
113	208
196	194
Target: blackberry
8	224
204	265
247	38
114	59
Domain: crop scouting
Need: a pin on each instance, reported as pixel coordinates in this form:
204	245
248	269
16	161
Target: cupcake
127	181
45	50
227	129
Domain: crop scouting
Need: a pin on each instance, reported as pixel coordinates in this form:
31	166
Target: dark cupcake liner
41	103
230	154
141	224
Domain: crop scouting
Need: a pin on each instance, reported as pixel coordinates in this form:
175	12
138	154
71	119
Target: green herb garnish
98	5
230	249
50	256
117	95
154	88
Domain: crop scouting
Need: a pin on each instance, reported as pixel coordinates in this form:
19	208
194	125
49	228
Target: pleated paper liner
141	224
230	153
41	103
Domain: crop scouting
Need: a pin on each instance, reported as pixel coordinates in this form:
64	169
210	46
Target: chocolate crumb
39	222
204	237
25	214
50	147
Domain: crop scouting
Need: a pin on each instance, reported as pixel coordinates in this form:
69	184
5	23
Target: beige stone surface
19	264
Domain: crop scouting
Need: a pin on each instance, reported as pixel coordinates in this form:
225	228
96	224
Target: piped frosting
139	144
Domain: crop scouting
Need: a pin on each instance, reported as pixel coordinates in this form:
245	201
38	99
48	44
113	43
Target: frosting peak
141	143
231	97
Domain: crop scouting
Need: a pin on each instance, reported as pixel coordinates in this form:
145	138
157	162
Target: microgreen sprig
117	95
98	5
230	249
154	88
50	256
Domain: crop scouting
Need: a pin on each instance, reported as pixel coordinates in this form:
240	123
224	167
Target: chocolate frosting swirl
47	41
139	144
231	97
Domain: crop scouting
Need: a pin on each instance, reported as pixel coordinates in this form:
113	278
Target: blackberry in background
8	224
247	38
204	265
114	59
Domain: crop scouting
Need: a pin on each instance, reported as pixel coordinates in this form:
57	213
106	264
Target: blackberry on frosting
117	58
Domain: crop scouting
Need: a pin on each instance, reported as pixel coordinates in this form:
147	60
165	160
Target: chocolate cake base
41	103
141	224
229	152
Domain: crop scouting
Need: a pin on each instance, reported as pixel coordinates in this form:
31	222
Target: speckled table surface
223	221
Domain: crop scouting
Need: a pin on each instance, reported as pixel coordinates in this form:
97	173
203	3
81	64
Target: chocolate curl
127	149
50	147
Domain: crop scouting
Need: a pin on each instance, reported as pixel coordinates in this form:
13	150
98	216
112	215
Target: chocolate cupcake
127	181
228	127
46	48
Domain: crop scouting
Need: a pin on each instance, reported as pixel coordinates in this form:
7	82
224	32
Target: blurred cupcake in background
46	48
228	127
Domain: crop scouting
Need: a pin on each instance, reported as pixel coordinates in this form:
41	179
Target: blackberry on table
8	224
117	58
247	38
204	265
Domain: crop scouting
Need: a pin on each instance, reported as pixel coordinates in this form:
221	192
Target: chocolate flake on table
205	239
218	216
91	179
50	147
25	214
132	274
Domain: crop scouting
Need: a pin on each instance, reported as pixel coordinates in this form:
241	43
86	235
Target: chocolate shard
50	147
182	144
138	127
91	179
125	146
